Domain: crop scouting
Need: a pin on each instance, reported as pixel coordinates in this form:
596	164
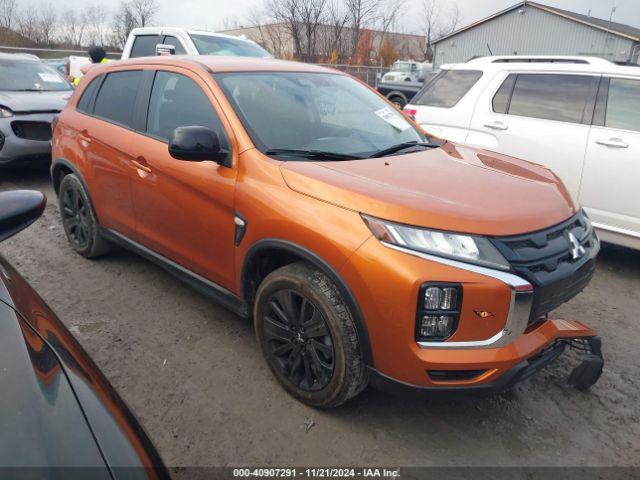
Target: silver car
31	94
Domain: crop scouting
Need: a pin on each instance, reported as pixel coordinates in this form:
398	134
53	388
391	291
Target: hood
453	188
395	76
24	102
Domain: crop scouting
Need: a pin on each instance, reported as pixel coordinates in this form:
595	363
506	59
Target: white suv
579	116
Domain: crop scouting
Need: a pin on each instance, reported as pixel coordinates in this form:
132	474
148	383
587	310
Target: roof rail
583	60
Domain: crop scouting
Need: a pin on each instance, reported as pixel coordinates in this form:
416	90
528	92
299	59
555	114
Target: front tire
79	220
308	337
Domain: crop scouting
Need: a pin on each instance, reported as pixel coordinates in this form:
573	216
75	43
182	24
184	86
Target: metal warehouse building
529	28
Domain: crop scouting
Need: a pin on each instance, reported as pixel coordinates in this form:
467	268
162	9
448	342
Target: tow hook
589	371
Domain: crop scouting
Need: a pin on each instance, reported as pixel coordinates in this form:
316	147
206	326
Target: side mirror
18	210
197	144
164	49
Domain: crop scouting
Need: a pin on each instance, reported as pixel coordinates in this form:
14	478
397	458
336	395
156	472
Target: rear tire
79	220
308	337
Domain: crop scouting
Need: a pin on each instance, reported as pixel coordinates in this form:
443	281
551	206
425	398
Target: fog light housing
438	312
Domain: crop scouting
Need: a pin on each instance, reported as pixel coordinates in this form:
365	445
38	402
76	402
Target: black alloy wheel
298	341
79	220
75	217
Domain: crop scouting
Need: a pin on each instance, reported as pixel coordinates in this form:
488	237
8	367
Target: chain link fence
369	74
51	53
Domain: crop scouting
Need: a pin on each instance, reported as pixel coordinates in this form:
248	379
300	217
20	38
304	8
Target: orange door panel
184	209
111	167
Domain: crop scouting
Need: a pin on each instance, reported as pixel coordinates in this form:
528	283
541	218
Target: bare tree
47	24
73	29
143	11
272	36
8	10
331	41
27	21
123	23
302	20
362	13
388	16
436	22
95	17
131	14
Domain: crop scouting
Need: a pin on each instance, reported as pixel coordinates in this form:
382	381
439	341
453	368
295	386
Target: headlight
466	248
5	112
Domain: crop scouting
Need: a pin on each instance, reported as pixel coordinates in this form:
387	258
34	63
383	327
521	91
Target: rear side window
117	96
170	40
623	105
85	100
177	101
145	46
447	88
565	98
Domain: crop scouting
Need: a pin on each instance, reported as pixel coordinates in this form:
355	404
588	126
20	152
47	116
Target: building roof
615	28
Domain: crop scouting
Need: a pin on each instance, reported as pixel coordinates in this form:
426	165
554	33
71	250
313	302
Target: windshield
401	67
315	111
28	75
212	45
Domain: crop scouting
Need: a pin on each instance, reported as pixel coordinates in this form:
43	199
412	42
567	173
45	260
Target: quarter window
177	101
447	88
565	98
85	100
501	99
145	46
117	97
623	105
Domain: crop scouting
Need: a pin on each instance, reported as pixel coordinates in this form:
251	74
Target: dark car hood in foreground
451	188
25	102
56	408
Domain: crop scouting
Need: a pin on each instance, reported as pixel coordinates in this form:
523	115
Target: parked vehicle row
31	94
579	116
364	250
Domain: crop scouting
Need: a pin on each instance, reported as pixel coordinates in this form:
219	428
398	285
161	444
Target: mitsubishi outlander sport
363	250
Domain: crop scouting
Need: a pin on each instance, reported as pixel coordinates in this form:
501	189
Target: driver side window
177	101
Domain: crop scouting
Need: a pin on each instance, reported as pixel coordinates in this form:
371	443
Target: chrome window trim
519	305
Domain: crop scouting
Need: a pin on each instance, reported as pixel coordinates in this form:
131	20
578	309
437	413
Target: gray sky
209	14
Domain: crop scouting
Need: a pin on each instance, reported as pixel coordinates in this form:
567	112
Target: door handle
613	142
83	136
141	164
497	125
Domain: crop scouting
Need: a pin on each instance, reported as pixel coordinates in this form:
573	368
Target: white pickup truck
151	41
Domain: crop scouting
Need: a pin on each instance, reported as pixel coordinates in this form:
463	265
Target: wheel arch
61	167
277	253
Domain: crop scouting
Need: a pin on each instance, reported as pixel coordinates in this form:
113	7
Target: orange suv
364	250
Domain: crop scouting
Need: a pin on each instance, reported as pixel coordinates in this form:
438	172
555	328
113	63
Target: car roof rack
581	60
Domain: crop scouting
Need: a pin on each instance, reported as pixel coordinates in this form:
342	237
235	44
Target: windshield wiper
402	146
312	154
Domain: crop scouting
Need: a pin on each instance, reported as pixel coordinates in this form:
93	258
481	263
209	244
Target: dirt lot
192	373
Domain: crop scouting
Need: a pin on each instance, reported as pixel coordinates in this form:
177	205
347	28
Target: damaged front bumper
582	377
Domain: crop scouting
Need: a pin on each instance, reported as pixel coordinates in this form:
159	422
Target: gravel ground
192	373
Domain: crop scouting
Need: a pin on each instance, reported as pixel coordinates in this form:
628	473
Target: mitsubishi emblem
577	250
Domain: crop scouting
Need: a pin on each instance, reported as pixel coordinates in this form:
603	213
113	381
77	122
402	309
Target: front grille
32	130
548	260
